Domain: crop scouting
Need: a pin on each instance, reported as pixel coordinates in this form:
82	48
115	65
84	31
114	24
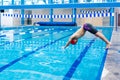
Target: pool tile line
72	69
32	52
102	65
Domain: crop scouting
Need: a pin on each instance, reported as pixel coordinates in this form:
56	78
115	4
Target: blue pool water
36	54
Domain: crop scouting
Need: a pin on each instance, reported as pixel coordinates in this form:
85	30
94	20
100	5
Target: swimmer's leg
93	30
101	36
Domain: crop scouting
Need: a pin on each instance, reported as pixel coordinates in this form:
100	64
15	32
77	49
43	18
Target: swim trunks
90	28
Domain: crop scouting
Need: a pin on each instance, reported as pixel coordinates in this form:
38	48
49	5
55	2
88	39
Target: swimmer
80	32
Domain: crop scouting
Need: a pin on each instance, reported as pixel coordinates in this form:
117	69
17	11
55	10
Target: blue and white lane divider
7	42
29	31
102	66
23	33
58	16
32	52
95	11
2	35
77	61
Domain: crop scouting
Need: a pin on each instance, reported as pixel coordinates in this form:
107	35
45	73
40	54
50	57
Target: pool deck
111	69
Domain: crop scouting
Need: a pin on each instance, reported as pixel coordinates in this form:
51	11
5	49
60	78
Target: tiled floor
112	65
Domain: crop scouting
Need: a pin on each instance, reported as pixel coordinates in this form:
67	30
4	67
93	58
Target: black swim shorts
90	28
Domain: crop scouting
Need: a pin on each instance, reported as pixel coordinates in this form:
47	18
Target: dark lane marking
26	55
102	66
77	61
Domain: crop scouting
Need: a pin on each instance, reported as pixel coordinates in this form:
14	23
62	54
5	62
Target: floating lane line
26	55
2	35
72	69
7	42
22	33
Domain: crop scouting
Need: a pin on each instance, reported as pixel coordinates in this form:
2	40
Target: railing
45	2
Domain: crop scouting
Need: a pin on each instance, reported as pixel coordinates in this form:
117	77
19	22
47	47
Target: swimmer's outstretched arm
67	44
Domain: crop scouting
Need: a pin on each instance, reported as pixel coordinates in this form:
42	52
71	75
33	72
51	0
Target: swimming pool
36	54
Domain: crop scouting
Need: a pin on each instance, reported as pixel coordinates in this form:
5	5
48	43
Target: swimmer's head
74	41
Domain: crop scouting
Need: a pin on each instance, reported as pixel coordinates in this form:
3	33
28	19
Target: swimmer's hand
108	45
63	47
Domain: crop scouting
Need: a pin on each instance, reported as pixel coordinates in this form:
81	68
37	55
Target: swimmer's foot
108	45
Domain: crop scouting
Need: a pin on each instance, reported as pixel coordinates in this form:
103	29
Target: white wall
7	21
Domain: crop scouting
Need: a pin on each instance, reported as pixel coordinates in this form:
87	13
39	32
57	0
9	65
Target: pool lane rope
82	15
23	33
